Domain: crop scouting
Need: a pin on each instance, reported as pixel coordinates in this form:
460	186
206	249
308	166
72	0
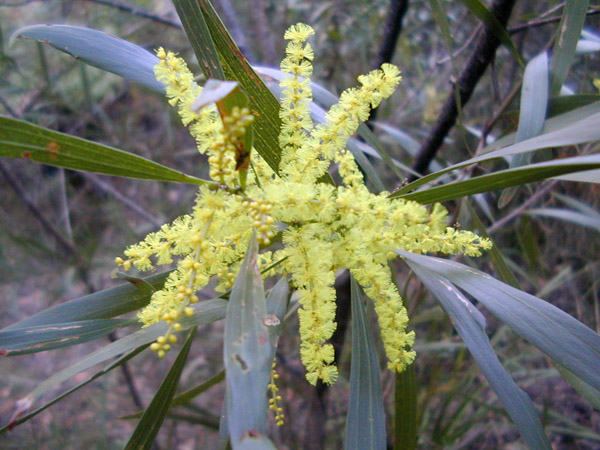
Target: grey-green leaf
560	336
34	339
21	139
569	32
100	305
470	324
98	49
247	356
532	113
365	424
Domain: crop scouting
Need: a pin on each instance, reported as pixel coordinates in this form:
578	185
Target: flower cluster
325	227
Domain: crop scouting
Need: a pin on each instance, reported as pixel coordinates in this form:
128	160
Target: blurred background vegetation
60	230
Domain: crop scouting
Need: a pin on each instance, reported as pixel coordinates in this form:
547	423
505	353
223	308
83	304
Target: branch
391	32
467	81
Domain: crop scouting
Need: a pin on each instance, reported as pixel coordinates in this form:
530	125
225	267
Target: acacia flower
325	228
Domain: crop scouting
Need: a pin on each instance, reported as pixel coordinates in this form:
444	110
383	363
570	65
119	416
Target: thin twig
541	22
526	204
18	189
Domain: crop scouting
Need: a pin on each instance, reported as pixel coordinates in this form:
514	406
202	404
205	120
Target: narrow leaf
20	139
47	337
470	324
150	423
575	127
247	356
534	99
365	424
569	32
205	312
99	305
480	11
563	338
504	178
405	403
236	68
200	37
97	49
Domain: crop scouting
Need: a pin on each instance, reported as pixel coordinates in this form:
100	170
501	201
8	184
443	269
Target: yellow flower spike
325	228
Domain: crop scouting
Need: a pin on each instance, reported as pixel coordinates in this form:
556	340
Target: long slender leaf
489	20
236	68
206	312
365	424
47	337
569	31
100	305
563	338
247	356
576	127
149	425
405	405
97	49
20	139
199	36
504	178
534	100
470	324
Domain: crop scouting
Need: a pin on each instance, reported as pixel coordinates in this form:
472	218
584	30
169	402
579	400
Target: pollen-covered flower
325	227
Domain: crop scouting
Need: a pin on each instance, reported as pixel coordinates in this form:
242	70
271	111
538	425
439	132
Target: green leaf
365	424
97	49
99	305
569	32
563	338
566	103
534	99
489	20
504	178
46	337
575	127
150	423
405	405
205	312
20	139
264	105
247	356
200	37
470	324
